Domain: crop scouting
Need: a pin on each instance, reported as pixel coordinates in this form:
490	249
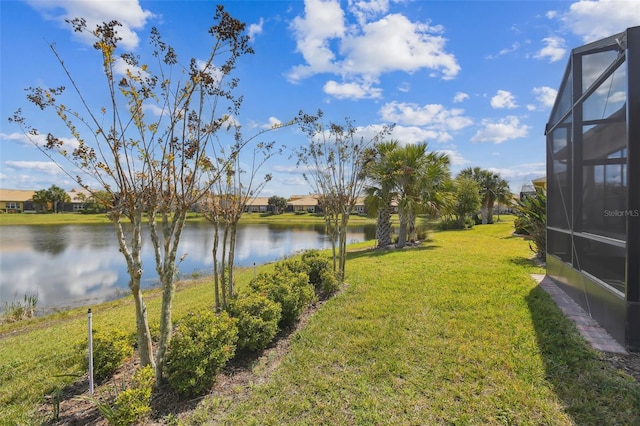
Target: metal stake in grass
89	320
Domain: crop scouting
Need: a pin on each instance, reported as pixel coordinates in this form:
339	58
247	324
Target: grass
453	332
87	219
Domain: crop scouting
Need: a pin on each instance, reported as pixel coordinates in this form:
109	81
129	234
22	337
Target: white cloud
128	12
455	158
366	10
255	29
396	44
596	19
554	49
352	90
520	174
434	116
545	95
363	51
272	124
504	129
154	109
414	134
503	99
323	21
47	167
404	87
38	140
460	97
515	46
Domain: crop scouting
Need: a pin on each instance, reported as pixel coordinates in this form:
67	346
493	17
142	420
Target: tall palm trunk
383	226
402	231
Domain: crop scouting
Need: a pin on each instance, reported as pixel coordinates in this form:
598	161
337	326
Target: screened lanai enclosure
593	184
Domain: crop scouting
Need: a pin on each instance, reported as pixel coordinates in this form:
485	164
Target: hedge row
203	342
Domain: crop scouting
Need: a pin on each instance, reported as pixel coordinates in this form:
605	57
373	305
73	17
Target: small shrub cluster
110	350
452	223
321	274
258	319
132	404
291	290
201	346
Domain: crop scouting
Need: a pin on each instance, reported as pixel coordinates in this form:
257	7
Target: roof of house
75	192
17	195
306	200
258	201
541	181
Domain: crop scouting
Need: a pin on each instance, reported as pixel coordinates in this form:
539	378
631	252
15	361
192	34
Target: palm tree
492	188
58	195
41	198
381	189
420	179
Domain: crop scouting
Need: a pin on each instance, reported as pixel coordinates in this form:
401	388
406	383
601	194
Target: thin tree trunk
166	270
143	335
344	220
223	267
216	282
134	267
232	253
331	231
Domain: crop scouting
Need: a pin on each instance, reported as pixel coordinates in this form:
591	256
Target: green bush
258	319
329	283
520	225
290	290
315	265
134	403
532	220
201	346
110	350
318	269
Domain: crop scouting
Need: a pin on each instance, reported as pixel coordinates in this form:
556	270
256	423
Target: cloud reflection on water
76	265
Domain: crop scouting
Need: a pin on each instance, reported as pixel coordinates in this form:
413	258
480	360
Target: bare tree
153	166
336	160
225	203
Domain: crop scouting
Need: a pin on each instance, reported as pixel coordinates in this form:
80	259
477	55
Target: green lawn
84	219
454	332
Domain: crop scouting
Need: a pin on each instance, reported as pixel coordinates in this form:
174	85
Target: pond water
78	265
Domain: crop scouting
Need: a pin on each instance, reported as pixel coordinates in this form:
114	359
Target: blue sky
474	79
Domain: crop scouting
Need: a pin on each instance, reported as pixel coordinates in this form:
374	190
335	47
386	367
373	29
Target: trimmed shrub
290	290
315	264
321	274
133	404
110	350
318	269
329	283
201	346
258	319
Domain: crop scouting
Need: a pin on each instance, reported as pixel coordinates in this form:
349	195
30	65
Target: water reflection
72	265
